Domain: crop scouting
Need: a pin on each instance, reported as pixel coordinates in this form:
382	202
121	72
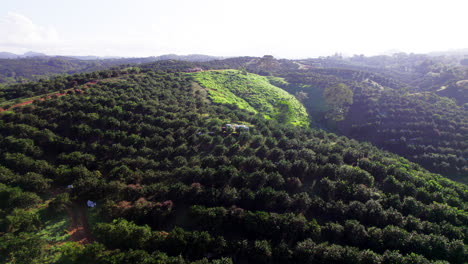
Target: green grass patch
54	229
219	90
253	93
277	81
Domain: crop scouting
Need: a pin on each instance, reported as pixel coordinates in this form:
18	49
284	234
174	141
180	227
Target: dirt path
79	229
49	96
30	102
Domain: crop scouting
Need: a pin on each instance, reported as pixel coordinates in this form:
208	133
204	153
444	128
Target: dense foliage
18	92
425	128
172	187
387	109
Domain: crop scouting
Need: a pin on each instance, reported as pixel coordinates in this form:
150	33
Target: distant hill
418	72
455	52
191	57
29	54
33	54
34	66
8	55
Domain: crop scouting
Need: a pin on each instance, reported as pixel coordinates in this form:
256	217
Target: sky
285	29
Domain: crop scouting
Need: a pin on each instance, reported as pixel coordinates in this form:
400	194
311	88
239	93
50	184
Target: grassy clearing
253	93
54	225
219	90
277	81
54	229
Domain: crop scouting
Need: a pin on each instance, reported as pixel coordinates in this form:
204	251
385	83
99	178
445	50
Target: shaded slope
423	127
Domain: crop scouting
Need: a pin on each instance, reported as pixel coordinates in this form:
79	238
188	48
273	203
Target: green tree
338	97
21	220
22	248
60	202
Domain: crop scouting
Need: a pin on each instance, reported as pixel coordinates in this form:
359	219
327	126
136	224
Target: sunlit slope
253	93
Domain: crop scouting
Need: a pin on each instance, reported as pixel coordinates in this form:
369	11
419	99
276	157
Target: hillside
171	187
386	109
417	72
36	66
253	93
432	134
443	152
14	93
423	127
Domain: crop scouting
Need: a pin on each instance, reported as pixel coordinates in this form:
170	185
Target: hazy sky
289	28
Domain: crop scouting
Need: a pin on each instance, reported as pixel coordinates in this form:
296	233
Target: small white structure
206	133
70	186
197	69
237	127
91	204
234	127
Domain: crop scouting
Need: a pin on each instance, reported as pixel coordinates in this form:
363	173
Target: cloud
20	33
294	29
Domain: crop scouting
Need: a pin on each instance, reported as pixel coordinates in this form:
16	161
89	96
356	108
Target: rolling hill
421	126
387	109
394	109
140	159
